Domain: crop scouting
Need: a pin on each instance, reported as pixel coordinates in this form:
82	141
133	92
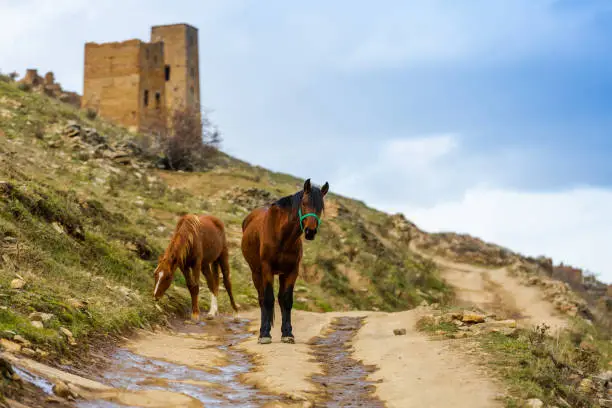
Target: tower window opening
167	71
157	100
146	97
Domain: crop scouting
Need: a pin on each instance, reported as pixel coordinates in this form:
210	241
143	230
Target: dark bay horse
272	245
198	242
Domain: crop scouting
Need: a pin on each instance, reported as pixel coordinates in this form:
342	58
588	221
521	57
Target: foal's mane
183	239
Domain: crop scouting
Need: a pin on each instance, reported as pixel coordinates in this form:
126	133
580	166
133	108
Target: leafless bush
190	142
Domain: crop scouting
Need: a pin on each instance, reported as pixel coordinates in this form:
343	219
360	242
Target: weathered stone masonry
138	84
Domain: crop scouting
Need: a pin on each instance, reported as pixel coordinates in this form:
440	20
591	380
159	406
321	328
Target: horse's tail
227	283
185	235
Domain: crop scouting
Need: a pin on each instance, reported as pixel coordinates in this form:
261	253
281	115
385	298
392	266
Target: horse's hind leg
285	301
212	280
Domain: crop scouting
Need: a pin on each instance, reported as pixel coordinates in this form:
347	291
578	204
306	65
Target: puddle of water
344	379
34	379
221	388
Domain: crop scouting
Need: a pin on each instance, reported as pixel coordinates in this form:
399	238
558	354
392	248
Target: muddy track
344	380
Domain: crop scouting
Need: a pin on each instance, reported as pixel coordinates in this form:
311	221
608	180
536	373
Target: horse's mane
292	202
183	238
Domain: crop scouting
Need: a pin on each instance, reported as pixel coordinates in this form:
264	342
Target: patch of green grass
536	365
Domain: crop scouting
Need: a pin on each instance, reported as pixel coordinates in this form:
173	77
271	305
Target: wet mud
344	380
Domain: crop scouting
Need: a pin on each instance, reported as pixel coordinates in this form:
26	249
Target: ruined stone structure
139	84
48	86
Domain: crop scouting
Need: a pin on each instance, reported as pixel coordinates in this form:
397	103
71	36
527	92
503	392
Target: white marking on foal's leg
161	276
214	308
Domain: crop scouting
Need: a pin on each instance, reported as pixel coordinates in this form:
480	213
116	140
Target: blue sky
487	117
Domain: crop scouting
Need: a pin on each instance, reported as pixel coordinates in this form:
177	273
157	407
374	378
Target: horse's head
163	277
310	208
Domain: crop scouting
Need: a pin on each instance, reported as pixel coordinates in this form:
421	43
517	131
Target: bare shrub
190	142
91	114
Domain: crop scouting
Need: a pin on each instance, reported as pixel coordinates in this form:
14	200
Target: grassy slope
72	225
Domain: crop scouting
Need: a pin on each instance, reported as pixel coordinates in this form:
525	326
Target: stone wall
182	62
152	83
48	86
112	81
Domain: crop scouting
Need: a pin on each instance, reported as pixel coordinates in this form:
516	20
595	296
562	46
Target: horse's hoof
288	339
264	340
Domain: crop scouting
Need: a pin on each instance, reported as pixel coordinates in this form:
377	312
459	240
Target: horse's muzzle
309	234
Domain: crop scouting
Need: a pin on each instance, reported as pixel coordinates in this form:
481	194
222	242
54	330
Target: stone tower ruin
139	84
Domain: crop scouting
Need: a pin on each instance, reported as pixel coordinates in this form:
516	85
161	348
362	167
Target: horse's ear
325	188
307	186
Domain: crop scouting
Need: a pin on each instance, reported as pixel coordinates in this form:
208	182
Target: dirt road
339	359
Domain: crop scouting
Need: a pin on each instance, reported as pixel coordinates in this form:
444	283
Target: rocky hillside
568	288
85	213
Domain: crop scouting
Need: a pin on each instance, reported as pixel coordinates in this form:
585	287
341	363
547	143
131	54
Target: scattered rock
10	346
586	386
62	390
19	339
399	332
41	317
534	403
605	403
28	352
68	335
18	284
53	400
471	317
77	304
42	353
37	324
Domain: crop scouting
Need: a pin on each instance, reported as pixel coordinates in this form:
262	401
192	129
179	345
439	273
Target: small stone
65	332
41	317
42	353
53	400
19	339
605	403
440	332
10	346
77	304
37	324
399	332
18	284
586	386
470	317
28	352
57	227
534	403
62	390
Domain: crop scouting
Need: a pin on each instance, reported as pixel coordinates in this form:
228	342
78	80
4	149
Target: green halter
302	217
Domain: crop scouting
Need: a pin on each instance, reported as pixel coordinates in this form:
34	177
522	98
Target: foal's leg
285	301
193	284
213	287
266	303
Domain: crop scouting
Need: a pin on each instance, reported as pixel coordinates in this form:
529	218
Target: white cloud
572	226
440	186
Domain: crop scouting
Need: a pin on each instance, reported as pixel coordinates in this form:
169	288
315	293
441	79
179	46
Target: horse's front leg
285	301
193	284
266	304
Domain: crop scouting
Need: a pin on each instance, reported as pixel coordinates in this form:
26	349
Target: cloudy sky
487	117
